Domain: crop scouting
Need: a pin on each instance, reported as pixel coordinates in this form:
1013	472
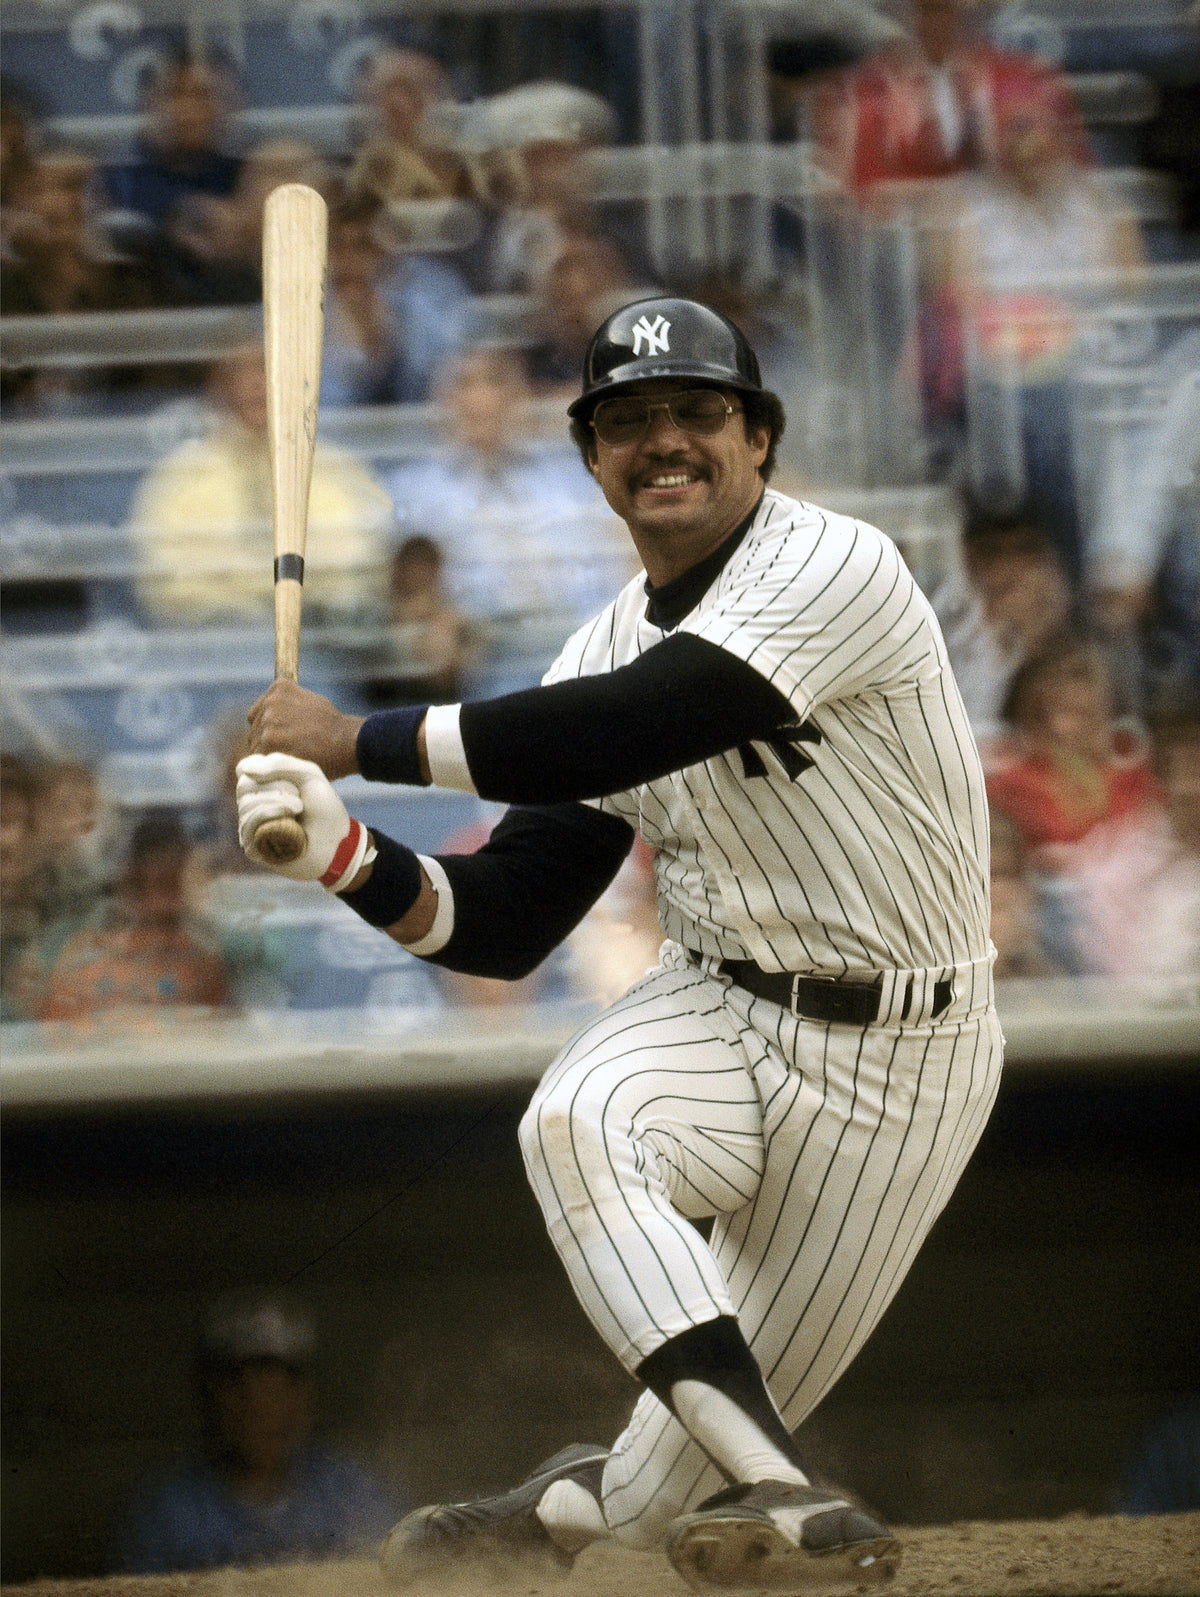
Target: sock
708	1378
571	1516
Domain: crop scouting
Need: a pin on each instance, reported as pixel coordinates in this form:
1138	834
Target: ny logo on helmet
655	334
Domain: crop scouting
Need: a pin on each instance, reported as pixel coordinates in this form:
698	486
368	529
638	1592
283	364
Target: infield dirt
1078	1556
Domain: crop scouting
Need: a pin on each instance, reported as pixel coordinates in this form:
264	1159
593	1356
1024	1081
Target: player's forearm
679	704
416	922
499	911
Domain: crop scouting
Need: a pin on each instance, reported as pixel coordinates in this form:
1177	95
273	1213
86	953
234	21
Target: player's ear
593	460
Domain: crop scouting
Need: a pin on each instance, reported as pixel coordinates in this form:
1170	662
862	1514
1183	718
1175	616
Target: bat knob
281	840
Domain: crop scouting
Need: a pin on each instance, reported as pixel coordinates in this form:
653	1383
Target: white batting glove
274	785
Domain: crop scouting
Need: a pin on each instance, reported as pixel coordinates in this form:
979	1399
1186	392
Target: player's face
680	492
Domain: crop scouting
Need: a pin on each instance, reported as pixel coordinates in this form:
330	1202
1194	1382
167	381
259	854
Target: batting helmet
665	337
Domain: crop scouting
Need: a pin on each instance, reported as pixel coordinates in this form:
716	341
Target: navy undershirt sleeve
529	886
680	703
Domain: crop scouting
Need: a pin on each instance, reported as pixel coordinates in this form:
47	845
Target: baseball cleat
776	1537
499	1530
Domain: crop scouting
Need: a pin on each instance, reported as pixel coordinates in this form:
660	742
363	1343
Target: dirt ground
1079	1556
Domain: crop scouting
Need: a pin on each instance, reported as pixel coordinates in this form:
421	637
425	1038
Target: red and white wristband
353	852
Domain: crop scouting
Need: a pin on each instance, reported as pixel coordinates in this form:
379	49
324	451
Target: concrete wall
1051	1316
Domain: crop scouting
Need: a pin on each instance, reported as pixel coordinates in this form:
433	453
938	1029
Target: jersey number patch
785	743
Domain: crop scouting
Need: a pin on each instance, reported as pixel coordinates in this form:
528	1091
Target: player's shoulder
799	529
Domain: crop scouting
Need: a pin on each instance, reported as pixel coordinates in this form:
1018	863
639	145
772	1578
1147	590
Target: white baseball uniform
852	844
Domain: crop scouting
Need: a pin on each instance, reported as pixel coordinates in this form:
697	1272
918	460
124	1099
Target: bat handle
283	839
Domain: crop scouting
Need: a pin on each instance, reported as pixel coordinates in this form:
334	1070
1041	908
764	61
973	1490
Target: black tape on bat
291	566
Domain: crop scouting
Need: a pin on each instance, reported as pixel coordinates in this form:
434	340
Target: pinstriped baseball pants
822	1153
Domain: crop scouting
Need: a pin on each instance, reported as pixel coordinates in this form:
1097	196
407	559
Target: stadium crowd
1002	250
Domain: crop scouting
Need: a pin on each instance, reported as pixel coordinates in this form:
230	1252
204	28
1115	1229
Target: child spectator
141	955
1069	766
431	643
1073	780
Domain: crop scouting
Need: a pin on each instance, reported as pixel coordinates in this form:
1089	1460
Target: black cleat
500	1530
776	1537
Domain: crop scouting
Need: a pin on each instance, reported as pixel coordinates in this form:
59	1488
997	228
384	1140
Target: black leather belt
848	1002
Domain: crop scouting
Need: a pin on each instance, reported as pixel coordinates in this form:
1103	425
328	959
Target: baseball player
814	1058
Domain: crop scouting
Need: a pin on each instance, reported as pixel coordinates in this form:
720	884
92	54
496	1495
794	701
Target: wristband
439	934
352	853
393	886
386	745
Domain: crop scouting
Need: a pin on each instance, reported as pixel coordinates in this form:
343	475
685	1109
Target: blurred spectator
523	526
201	519
142	954
1007	599
528	147
20	908
55	265
431	645
57	869
18	141
1069	765
1069	770
1016	918
1143	546
587	280
429	300
1026	222
1138	876
405	153
259	1490
362	361
394	314
225	233
73	839
928	107
893	130
183	154
1163	1475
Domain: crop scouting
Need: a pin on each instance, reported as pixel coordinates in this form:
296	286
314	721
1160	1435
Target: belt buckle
849	998
809	980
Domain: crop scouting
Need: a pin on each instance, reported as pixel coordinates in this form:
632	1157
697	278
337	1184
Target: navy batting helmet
665	337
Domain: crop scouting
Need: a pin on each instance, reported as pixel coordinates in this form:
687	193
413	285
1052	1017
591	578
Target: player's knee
560	1129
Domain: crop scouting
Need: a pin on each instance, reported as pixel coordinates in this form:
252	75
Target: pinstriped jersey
855	838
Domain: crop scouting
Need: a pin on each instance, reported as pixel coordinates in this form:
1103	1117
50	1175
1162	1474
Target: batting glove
274	785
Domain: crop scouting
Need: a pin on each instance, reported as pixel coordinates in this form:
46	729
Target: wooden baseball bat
294	258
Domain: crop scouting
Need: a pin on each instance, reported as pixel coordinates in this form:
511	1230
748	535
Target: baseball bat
294	259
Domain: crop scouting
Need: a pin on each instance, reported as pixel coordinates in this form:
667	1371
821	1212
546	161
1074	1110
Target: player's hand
289	719
273	785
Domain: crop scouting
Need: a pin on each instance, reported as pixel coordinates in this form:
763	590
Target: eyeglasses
700	411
